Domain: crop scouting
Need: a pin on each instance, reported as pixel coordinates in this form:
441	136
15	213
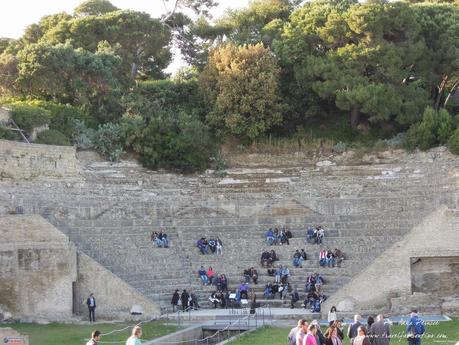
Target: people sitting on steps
265	259
212	245
219	246
210	275
285	275
330	259
339	257
274	256
244	290
203	276
278	274
320	234
270	236
323	257
297	259
203	246
295	297
215	299
268	291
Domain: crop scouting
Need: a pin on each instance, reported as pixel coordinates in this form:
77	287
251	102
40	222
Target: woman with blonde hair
134	339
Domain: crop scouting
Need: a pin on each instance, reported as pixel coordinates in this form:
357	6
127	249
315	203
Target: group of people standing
188	300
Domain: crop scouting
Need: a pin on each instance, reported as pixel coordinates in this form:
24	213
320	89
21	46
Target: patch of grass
70	334
441	333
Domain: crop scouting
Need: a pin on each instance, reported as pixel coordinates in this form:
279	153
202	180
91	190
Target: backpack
419	327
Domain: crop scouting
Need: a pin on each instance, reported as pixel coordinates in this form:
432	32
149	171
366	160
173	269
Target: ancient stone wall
114	297
19	161
37	268
385	285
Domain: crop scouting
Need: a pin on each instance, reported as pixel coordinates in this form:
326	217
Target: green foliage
8	134
154	96
255	23
63	116
434	129
94	8
241	87
77	77
354	58
52	137
107	141
140	41
28	116
453	142
173	141
83	137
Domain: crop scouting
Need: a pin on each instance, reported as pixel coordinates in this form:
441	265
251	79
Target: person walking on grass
134	339
95	338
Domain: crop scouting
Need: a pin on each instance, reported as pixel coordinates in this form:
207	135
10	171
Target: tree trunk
355	117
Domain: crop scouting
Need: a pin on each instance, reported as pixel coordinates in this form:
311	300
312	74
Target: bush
8	134
52	137
83	137
339	147
177	142
453	143
63	116
107	141
434	129
28	116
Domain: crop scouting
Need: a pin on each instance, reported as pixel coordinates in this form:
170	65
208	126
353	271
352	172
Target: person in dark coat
380	332
175	299
352	330
91	303
184	298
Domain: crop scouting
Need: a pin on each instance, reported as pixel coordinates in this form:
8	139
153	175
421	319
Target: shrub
29	116
83	137
444	128
177	142
434	129
8	134
63	116
453	143
52	137
339	147
107	141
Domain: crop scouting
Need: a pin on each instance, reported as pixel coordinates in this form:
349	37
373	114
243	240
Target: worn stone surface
38	265
437	276
111	209
115	298
37	268
20	161
390	273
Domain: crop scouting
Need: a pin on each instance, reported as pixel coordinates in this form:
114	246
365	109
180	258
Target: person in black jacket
184	297
175	299
91	303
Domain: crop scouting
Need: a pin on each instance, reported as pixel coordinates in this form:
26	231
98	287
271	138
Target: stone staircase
110	212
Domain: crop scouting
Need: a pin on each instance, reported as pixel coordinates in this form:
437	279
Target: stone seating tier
111	210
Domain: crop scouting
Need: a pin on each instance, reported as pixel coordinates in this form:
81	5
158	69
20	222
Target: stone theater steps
110	212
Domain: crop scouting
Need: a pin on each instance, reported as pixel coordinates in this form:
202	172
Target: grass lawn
65	334
442	333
